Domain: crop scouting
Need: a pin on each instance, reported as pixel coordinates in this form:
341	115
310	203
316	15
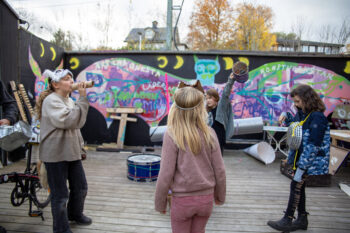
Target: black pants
296	198
58	174
221	134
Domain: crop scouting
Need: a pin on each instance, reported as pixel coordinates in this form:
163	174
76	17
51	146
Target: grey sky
83	16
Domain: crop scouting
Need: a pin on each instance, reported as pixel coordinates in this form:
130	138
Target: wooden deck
256	193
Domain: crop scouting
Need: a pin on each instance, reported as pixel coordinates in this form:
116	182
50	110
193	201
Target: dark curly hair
310	99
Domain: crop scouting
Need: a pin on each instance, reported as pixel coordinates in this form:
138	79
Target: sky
87	18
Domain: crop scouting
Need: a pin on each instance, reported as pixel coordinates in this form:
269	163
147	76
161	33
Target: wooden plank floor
256	193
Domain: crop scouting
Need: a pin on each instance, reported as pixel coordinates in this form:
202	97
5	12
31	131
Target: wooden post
124	111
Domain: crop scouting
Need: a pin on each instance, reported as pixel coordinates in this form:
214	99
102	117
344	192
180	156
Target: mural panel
266	93
123	82
148	81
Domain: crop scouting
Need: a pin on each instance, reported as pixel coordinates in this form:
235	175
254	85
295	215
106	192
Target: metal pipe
241	126
169	25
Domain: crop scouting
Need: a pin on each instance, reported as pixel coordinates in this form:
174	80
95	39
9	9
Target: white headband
57	74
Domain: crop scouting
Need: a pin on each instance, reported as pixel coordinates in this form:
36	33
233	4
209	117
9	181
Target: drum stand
3	161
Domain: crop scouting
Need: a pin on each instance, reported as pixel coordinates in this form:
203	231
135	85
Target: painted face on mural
298	103
206	70
210	101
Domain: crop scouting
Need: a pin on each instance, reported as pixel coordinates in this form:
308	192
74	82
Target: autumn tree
211	25
253	25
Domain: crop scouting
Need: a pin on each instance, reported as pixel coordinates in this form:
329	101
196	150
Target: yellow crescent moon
164	60
347	67
244	59
74	63
180	62
228	62
53	53
42	49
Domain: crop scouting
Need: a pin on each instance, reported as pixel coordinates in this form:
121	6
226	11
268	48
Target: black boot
301	222
284	224
2	230
82	220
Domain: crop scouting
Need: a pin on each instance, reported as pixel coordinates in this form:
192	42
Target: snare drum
143	167
294	135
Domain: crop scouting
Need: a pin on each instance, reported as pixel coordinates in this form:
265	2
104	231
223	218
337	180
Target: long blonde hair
187	119
43	95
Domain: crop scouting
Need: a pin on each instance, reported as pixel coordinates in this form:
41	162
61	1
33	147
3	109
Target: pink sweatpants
190	214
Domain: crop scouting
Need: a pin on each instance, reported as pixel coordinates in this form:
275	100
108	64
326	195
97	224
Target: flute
88	84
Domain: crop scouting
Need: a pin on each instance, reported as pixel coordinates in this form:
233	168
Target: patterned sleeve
313	138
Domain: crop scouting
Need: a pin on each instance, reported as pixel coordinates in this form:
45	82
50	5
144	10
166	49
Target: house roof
160	34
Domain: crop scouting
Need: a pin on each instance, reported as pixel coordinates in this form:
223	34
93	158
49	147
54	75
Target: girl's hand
4	122
282	118
217	202
82	89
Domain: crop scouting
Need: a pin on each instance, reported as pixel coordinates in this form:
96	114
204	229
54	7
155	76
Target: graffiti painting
266	93
121	82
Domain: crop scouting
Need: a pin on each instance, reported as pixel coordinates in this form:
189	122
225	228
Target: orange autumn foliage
253	26
215	24
211	25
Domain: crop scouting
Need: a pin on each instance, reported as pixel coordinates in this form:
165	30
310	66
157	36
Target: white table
270	131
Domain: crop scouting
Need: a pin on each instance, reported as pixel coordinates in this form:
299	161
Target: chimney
154	24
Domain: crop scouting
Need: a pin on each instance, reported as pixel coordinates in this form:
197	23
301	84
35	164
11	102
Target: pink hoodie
186	174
